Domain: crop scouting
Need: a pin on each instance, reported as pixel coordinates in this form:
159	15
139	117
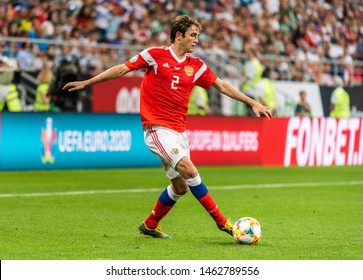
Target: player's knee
191	174
180	187
186	168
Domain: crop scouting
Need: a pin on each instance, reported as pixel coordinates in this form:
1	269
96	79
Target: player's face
190	40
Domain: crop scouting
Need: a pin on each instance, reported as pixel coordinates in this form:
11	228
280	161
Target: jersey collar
179	60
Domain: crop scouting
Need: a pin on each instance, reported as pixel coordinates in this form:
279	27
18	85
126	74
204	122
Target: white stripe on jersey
200	72
148	58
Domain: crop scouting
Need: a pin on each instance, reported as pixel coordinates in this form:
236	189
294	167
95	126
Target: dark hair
182	24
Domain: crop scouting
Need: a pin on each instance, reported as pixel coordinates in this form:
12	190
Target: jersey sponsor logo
166	65
177	68
133	59
189	70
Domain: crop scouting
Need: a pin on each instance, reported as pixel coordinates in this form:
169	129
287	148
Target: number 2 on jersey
174	82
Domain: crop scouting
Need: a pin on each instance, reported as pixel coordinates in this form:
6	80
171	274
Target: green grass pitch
306	214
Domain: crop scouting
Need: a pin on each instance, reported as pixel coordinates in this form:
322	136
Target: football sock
200	191
165	202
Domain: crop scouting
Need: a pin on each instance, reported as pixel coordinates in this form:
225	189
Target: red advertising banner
280	141
235	140
324	142
117	96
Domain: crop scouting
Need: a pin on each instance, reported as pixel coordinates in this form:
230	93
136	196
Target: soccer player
171	73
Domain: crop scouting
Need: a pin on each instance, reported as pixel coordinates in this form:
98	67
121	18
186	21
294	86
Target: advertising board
71	140
32	141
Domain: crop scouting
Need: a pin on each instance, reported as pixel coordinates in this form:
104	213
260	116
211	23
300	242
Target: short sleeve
137	62
207	78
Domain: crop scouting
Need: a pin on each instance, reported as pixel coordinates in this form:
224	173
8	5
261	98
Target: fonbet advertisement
323	142
280	141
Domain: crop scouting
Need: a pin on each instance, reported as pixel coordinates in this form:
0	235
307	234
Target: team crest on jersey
133	59
174	151
189	70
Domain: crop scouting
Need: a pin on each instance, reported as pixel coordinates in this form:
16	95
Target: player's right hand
72	86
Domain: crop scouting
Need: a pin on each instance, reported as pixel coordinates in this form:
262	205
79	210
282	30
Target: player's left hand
261	110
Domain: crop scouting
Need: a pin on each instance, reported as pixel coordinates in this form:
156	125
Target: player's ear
179	35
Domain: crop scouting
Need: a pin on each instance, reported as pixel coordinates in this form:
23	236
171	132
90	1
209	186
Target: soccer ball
247	230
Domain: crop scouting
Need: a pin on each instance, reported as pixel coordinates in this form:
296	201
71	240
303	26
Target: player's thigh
169	145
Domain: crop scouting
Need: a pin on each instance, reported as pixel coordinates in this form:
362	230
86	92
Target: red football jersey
167	84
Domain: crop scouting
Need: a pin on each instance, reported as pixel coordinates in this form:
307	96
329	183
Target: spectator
89	60
230	107
201	11
40	33
114	26
302	108
298	71
340	100
43	95
9	95
198	102
266	90
86	19
103	16
326	79
13	29
23	19
252	71
26	57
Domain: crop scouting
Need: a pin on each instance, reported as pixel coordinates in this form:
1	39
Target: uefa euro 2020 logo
48	137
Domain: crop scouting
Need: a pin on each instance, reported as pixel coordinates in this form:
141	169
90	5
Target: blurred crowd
302	40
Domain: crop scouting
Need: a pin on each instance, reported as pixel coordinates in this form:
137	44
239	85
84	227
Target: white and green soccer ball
247	230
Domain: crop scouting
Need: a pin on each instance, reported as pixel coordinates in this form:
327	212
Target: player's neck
179	52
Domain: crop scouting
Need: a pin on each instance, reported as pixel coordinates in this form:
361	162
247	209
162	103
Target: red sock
212	208
159	211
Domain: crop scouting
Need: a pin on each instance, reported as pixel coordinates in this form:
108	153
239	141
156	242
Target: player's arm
234	93
111	73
